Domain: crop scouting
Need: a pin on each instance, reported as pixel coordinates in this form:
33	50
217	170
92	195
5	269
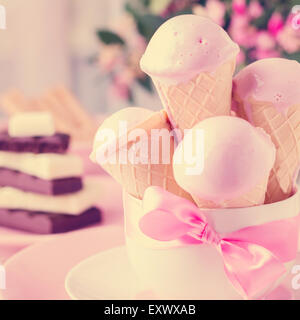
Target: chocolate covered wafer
58	143
25	182
45	222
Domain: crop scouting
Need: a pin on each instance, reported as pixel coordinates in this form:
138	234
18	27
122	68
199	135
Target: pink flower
125	26
126	76
239	6
275	23
289	39
119	91
174	7
265	41
121	84
258	54
110	56
255	10
216	11
200	10
241	31
123	62
294	20
241	57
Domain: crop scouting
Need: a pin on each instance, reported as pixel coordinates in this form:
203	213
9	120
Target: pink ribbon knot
201	231
253	257
205	234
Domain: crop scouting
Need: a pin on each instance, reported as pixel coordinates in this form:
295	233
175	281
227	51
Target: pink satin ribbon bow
253	257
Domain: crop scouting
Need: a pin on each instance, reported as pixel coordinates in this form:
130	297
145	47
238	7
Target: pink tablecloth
39	271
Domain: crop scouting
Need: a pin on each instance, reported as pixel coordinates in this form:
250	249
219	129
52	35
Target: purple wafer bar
45	222
25	182
58	143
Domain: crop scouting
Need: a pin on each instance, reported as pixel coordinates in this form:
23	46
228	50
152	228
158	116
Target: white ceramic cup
195	271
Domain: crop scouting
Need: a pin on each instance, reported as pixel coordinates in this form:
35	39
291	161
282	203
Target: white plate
107	275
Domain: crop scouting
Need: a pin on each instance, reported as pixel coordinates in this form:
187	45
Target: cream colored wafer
284	130
206	95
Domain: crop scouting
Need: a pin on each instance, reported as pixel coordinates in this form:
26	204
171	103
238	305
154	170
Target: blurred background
93	47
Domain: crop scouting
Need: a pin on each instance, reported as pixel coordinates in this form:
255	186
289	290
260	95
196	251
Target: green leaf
130	97
109	37
183	11
148	24
227	19
157	6
132	11
262	22
146	83
292	56
293	3
146	3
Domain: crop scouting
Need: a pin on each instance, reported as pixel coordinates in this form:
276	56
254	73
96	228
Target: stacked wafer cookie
69	116
41	185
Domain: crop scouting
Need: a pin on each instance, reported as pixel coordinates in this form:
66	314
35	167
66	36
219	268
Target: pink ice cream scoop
273	80
221	160
267	93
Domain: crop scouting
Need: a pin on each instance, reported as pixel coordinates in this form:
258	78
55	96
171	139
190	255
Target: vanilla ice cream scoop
223	158
186	45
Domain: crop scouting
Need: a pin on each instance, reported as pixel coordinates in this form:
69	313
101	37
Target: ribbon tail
250	268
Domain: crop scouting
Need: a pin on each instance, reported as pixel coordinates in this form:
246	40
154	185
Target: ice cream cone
284	130
206	95
191	61
135	178
266	93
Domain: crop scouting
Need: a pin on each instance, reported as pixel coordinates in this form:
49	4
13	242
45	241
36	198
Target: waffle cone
252	198
136	178
284	130
206	95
